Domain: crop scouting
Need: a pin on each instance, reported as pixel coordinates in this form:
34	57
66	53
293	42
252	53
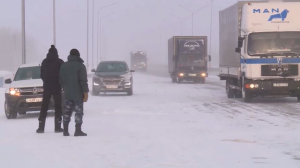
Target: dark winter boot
78	131
66	129
41	127
58	128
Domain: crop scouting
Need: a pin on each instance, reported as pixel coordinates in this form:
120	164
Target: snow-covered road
162	125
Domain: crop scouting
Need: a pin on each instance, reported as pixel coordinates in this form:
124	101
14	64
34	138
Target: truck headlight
14	92
181	74
203	74
252	86
96	84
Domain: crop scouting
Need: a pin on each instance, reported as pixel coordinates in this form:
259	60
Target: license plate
112	87
34	100
280	84
192	74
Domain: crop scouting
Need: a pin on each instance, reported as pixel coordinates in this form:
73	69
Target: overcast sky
134	25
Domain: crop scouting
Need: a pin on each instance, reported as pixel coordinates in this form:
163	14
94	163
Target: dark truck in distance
188	58
138	60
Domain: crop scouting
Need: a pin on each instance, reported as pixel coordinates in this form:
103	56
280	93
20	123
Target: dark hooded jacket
73	78
50	71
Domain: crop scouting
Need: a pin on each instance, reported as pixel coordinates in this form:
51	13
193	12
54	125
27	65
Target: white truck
259	49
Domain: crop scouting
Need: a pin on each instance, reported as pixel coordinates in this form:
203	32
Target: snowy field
163	125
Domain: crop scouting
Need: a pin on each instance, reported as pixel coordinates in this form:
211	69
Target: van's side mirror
209	58
240	42
8	81
238	50
93	70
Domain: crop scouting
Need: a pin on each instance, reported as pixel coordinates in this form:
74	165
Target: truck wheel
9	113
247	97
173	80
229	91
298	98
238	94
203	80
178	80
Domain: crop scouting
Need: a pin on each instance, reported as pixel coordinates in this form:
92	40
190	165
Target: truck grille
279	70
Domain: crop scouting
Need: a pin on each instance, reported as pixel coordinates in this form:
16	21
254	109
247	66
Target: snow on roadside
162	125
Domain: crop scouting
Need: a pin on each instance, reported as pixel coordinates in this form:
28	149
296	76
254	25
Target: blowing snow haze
144	25
150	83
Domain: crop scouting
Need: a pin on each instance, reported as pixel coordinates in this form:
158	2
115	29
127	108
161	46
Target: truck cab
188	58
266	59
139	60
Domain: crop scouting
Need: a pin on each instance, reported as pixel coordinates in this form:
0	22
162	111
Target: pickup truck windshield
112	67
28	73
274	43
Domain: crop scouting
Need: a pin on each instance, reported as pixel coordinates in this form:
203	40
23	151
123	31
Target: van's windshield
274	43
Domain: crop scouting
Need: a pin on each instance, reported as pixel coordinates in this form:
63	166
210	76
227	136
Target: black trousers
45	104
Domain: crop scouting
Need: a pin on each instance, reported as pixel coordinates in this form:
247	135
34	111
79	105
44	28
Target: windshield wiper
290	54
266	54
277	54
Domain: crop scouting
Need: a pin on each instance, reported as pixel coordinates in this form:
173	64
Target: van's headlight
14	92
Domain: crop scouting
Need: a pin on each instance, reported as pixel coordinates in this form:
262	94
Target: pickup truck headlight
14	92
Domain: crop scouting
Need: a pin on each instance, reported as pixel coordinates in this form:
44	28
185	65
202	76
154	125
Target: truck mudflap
273	88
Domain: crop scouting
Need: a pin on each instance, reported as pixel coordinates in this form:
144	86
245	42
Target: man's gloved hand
85	97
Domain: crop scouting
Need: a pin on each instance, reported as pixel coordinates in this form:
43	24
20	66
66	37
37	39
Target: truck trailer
259	49
188	58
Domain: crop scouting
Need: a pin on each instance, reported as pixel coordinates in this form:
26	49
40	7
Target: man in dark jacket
73	78
50	76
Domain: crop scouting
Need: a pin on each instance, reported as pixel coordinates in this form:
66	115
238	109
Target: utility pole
192	13
93	13
99	27
97	30
54	24
23	34
87	35
210	36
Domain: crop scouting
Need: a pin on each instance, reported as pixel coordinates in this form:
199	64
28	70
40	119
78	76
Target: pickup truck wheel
298	98
9	113
203	80
229	91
